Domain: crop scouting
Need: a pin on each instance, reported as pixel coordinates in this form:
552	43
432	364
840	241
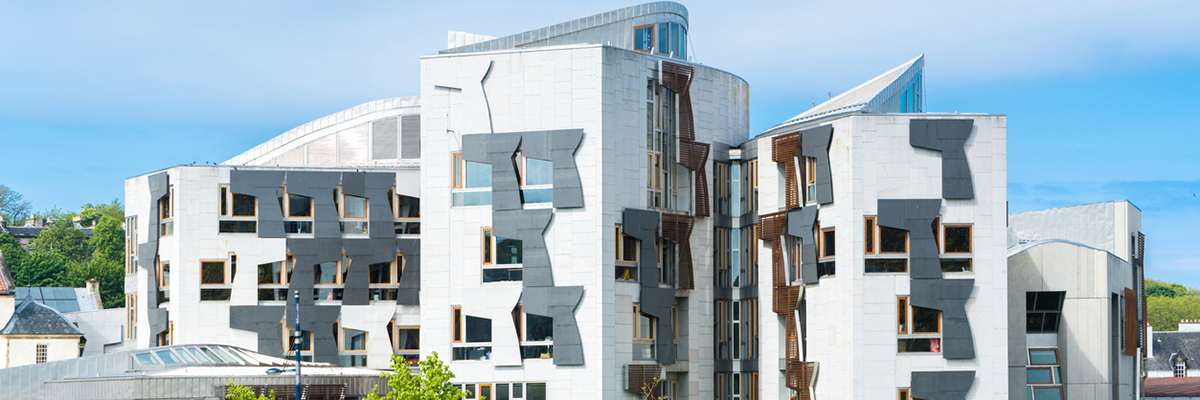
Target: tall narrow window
457	160
869	236
42	353
644	333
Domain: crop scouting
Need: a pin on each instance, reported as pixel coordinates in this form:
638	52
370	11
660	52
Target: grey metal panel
506	190
320	186
720	152
354	183
384	137
307	253
363	253
800	224
410	279
942	385
915	216
949	296
749	149
475	147
655	301
949	137
263	320
318	320
157	318
815	144
148	252
264	185
568	189
559	303
528	226
410	136
381	224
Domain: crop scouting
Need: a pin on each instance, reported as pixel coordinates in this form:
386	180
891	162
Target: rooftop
34	318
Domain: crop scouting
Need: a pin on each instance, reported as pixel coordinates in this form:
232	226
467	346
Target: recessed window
355	207
958	239
827	243
645	330
326	273
244	205
918	328
299	206
212	272
643	38
892	240
1042	311
354	340
41	353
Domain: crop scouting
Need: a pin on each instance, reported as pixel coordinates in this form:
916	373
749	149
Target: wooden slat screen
693	154
783	151
641	378
1131	322
678	228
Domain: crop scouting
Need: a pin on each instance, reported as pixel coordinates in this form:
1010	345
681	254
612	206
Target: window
293	342
1042	376
407	213
737	329
385	278
245	205
472	182
166	227
885	248
662	143
298	211
164	282
271	281
242	208
626	250
1042	311
502	258
956	247
827	243
918	329
354	207
216	280
40	357
536	334
536	178
131	316
406	341
644	333
904	394
212	272
1180	368
643	38
353	348
472	337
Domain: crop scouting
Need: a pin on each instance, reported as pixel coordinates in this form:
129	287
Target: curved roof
1026	246
34	318
614	28
874	96
272	151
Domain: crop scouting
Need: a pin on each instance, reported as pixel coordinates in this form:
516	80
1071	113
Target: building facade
580	211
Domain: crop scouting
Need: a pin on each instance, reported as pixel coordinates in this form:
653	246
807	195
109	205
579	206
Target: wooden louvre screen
1131	325
783	151
799	377
641	379
783	302
678	228
693	154
307	392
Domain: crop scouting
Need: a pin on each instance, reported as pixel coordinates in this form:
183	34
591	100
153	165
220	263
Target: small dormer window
1180	368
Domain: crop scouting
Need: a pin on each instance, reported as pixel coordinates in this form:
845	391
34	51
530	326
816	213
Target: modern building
1076	273
577	210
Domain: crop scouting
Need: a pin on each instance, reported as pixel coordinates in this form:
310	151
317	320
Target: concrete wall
1089	276
103	329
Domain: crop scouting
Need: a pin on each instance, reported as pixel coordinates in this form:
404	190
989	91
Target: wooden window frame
287	204
337	273
869	235
342	206
910	314
458	328
224	202
1036	387
903	394
1029	353
458	180
342	339
821	243
653	37
160	274
970	238
1048	368
287	339
232	196
879	243
396	337
224	272
518	315
488	251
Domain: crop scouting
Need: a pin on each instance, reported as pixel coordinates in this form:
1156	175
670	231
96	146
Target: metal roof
63	299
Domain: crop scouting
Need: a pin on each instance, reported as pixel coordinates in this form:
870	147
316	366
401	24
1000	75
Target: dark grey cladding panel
949	296
263	320
158	185
354	183
915	216
319	320
528	226
720	152
157	317
506	190
410	279
363	253
948	136
800	224
559	303
749	149
568	189
307	253
941	385
657	302
265	186
642	224
320	186
815	144
381	223
475	147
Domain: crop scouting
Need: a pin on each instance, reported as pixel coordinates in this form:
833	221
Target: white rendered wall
22	349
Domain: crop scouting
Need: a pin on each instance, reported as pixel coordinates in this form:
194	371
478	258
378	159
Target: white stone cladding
601	90
851	322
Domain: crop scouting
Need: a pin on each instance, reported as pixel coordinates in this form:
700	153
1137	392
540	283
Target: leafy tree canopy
431	382
13	206
1164	313
90	214
1159	291
64	239
40	268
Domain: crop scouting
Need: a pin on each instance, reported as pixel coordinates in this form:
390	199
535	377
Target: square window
958	239
244	205
299	206
892	240
212	272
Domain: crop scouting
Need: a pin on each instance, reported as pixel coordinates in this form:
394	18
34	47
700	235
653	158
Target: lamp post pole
296	343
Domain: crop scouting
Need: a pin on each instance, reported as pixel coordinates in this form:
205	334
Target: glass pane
355	340
675	39
215	294
645	327
167	356
956	265
1049	301
925	320
479	175
238	227
886	265
1047	393
502	275
213	356
325	273
356	207
538	328
537	391
538	172
538	195
299	206
212	272
643	38
1039	375
958	239
356	360
270	273
1034	322
410	207
410	339
508	251
827	244
146	358
664	38
381	273
502	391
1043	357
183	354
892	240
200	357
244	205
479	330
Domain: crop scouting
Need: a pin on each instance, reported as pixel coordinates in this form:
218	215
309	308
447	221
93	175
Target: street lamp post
296	336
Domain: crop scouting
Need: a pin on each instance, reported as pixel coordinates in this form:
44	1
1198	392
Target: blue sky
1101	96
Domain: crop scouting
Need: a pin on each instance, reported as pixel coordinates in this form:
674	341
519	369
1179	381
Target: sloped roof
873	96
1168	344
33	318
1172	387
63	299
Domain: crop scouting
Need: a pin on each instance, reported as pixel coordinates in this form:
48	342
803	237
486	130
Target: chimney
93	287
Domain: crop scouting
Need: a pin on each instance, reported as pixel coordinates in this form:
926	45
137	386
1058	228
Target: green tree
40	268
1164	313
64	239
110	274
1159	291
14	254
235	391
13	206
90	215
108	239
432	382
